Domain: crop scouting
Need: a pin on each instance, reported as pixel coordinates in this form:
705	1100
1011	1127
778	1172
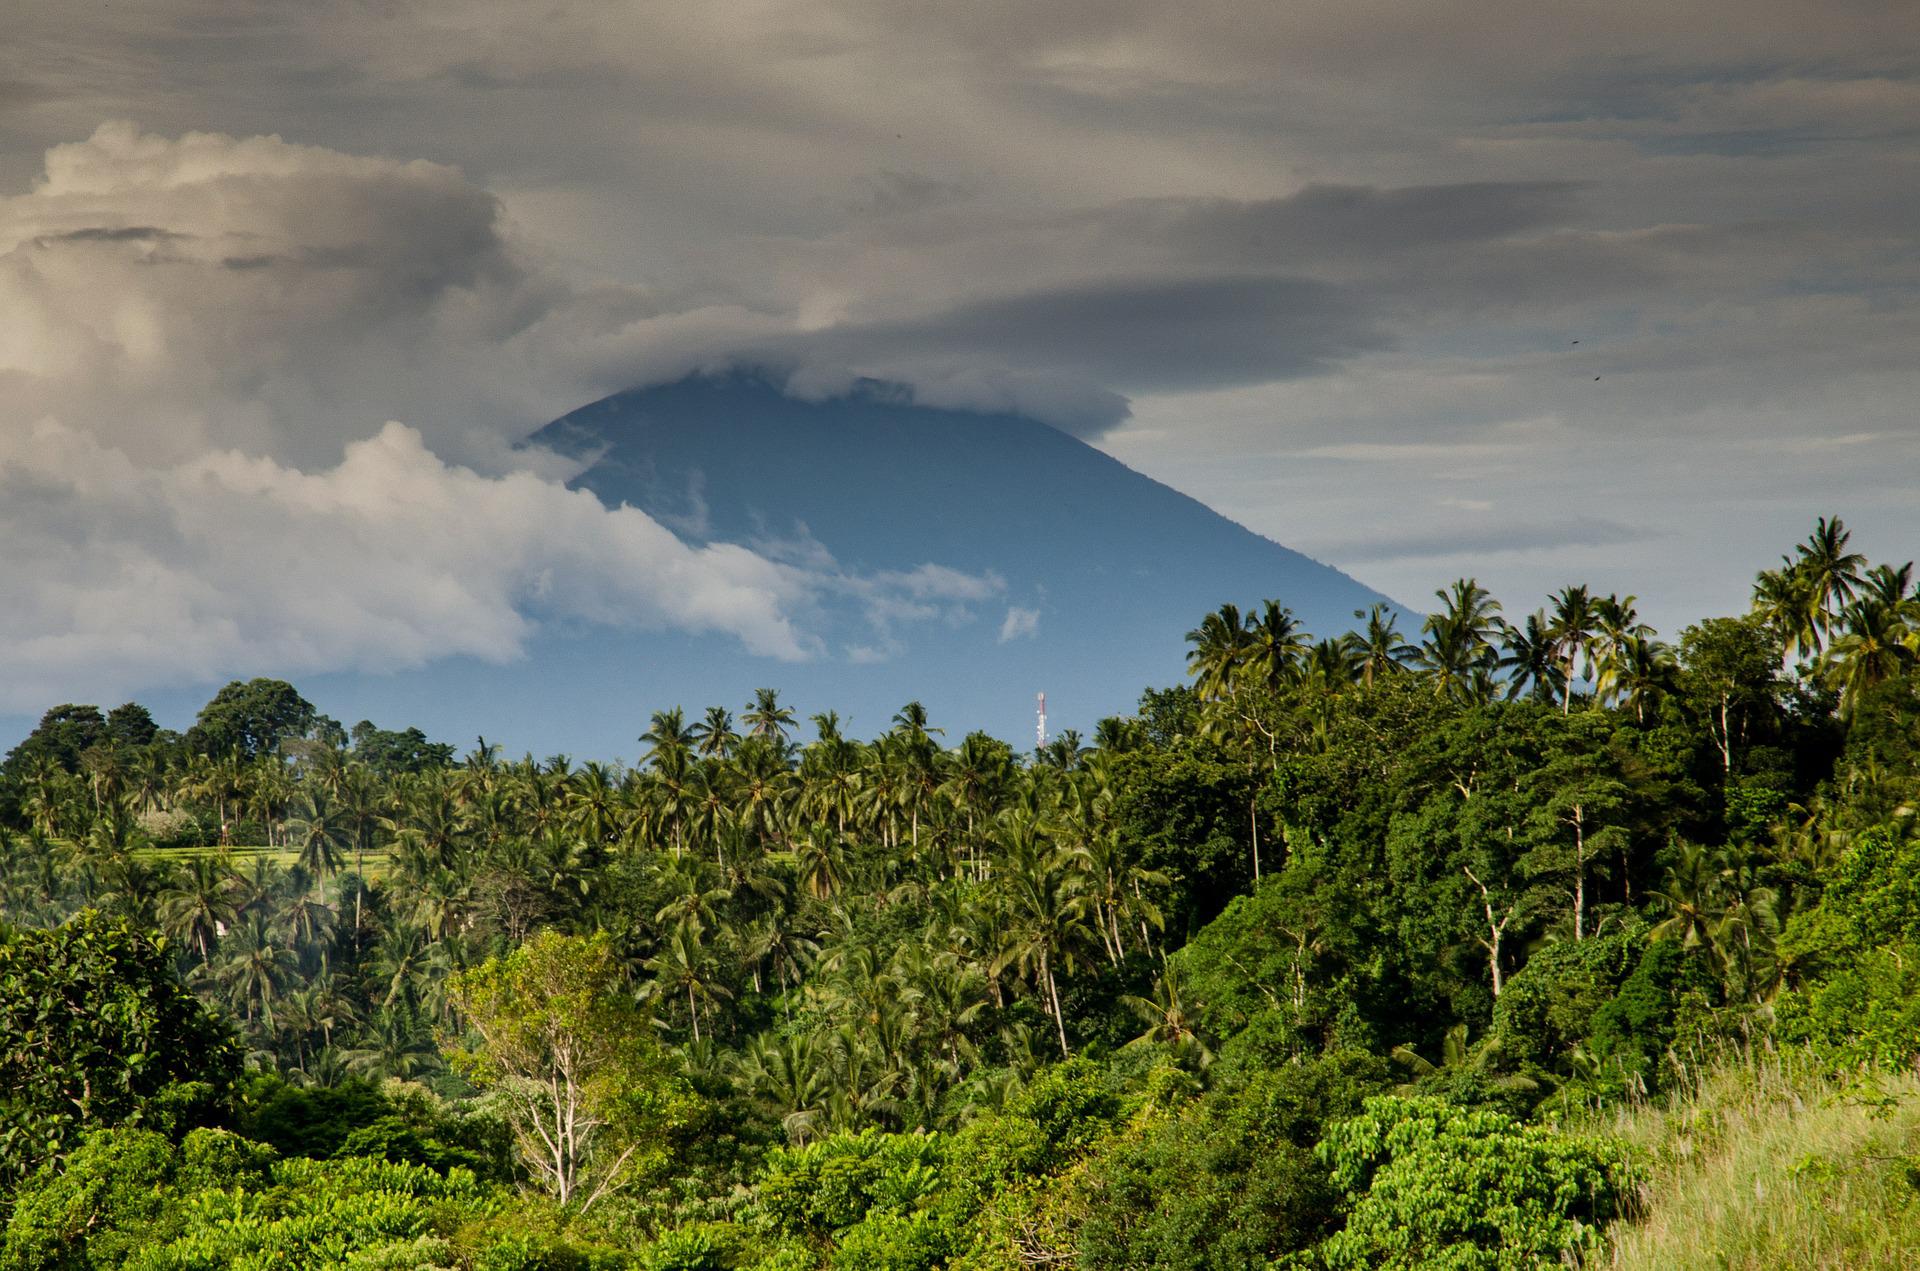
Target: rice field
244	855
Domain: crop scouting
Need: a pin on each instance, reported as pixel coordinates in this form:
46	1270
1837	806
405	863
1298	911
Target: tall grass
1766	1160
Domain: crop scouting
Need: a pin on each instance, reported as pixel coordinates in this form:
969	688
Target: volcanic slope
1092	572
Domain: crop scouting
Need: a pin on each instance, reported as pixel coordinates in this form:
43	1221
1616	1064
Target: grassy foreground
1769	1163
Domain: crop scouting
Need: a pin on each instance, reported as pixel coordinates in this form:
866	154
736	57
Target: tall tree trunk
1059	1019
1253	826
1496	931
1579	872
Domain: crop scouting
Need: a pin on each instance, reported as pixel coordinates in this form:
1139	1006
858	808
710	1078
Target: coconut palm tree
202	903
1222	646
1383	650
1530	659
1572	626
1784	600
669	740
683	966
713	737
321	834
1636	672
1275	646
1047	908
1832	572
1877	645
395	1044
765	717
256	968
791	1078
1457	648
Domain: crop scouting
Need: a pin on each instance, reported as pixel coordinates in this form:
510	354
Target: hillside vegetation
1518	940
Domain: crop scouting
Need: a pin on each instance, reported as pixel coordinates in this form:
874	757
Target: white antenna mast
1041	729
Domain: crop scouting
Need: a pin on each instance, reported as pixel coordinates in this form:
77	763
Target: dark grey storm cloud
1149	334
1322	221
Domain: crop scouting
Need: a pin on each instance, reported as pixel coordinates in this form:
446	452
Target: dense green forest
1513	940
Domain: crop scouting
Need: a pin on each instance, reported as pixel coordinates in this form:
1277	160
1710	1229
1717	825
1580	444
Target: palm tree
321	833
1458	649
1383	650
407	966
1117	735
1170	1022
201	904
1275	646
1333	665
307	921
1572	627
766	717
691	902
713	736
976	782
1832	572
669	740
1891	586
149	777
683	966
1695	896
1529	659
1047	906
1784	600
1878	646
821	857
1222	645
791	1078
360	811
1638	672
256	968
395	1045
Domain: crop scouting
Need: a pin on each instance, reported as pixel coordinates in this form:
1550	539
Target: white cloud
1018	623
121	576
199	327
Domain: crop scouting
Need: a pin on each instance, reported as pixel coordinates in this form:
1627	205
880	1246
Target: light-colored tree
592	1102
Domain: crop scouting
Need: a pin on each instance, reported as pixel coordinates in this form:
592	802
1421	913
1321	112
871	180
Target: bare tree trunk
1496	931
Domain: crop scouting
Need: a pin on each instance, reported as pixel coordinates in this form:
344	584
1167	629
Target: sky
1622	294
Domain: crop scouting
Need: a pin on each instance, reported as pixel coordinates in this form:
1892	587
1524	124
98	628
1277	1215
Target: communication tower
1041	729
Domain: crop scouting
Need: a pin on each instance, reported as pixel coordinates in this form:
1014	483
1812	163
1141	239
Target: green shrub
1433	1185
826	1187
97	1026
703	1246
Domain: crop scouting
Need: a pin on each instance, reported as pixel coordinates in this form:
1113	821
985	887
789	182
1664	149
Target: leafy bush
1547	1008
118	1192
826	1187
1669	988
317	1216
1434	1185
706	1246
94	1025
